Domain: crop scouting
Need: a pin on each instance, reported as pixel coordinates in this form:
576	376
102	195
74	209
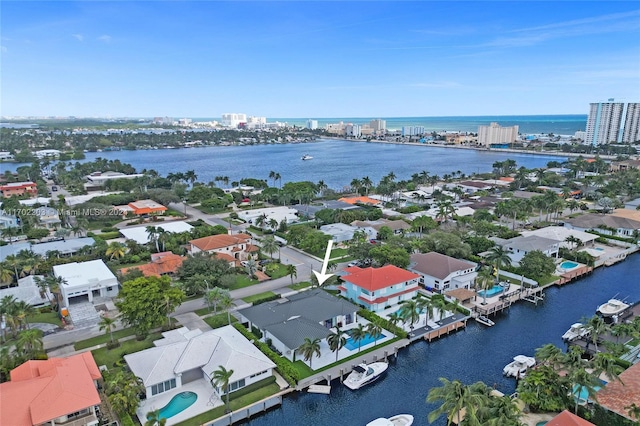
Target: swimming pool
368	338
496	289
178	404
568	264
583	395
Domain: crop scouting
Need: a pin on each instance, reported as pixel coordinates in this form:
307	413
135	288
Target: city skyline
320	59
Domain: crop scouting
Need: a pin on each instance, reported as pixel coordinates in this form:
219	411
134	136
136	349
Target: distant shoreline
495	150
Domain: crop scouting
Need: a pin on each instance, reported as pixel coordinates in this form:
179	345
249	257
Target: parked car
354	263
266	261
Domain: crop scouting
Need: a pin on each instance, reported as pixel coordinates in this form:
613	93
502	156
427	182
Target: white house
440	273
339	232
28	291
86	280
184	356
518	247
560	233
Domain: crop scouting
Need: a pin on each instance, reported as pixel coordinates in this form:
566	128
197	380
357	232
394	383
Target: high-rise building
496	134
613	122
379	126
233	119
312	124
412	130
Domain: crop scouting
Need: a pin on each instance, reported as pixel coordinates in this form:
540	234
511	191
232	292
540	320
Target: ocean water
566	124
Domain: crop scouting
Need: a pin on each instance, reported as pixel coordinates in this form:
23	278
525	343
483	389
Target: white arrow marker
323	276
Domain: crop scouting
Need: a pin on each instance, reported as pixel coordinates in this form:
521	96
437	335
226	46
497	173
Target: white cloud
78	37
105	38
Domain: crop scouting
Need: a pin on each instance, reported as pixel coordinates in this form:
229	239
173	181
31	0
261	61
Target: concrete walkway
192	321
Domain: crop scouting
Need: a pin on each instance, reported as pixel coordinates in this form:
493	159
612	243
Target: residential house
86	280
48	217
604	224
62	248
163	263
57	391
379	288
518	247
19	189
140	235
618	395
560	234
142	208
7	220
473	186
263	217
237	246
567	418
183	356
440	273
28	291
339	232
310	314
617	166
98	179
360	200
372	227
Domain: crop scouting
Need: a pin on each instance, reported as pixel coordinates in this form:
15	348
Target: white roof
77	274
560	233
72	200
223	346
277	213
27	291
140	235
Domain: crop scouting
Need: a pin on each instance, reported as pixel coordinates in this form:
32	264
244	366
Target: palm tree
270	245
292	271
116	250
107	325
394	318
499	257
336	341
358	334
374	330
29	342
220	378
191	176
153	233
226	303
454	396
606	363
549	354
154	419
251	267
213	297
486	282
582	381
426	305
596	327
309	348
366	183
410	312
356	184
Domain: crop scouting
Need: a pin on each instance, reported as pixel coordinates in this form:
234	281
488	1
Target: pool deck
200	387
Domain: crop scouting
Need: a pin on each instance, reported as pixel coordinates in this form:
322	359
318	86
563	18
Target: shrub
371	317
109	229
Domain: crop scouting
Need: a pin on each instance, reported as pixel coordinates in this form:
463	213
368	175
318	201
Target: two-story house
379	288
439	272
236	247
518	247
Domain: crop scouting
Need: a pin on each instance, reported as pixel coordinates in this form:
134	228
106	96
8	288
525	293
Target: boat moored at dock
612	310
519	366
574	332
363	374
399	420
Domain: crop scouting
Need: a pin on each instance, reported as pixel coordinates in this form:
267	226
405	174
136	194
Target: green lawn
47	317
280	272
219	320
302	369
109	357
243	281
98	340
300	285
548	280
258	297
338	253
237	400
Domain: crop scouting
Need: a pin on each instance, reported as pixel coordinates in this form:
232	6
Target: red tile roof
40	391
161	263
378	278
615	396
215	242
567	418
359	200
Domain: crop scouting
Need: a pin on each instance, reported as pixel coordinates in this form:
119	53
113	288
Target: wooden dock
574	275
445	330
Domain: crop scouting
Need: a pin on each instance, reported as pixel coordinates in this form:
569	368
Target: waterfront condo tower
613	122
496	134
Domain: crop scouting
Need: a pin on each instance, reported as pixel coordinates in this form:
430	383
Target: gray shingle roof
437	265
592	220
530	243
292	333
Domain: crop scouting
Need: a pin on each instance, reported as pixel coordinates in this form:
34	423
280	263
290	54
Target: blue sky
316	59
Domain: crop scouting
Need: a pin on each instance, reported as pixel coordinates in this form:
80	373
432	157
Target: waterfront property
604	224
379	288
184	361
84	281
57	391
518	247
311	314
440	273
560	233
619	395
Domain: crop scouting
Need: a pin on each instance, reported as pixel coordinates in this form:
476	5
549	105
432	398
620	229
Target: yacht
576	331
399	420
364	374
485	320
519	366
611	310
307	157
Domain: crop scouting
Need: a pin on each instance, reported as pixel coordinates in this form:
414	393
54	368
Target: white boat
576	331
399	420
307	157
364	374
519	366
485	320
612	309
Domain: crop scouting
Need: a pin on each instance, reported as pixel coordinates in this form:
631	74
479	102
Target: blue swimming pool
178	404
496	289
568	264
583	395
368	338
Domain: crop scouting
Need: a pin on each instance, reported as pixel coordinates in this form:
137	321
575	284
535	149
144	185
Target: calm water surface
478	353
336	162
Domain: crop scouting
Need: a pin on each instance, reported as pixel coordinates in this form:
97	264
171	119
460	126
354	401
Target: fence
247	412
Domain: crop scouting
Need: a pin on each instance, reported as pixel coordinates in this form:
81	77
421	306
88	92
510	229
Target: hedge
126	420
371	317
283	365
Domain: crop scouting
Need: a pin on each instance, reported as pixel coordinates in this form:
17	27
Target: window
163	387
109	288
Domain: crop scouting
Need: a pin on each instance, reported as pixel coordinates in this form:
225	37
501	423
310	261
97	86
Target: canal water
477	353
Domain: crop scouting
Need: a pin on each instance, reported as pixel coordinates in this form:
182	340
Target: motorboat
576	331
519	366
485	320
363	374
307	157
399	420
611	310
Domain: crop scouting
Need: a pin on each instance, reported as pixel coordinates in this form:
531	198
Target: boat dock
573	275
445	329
